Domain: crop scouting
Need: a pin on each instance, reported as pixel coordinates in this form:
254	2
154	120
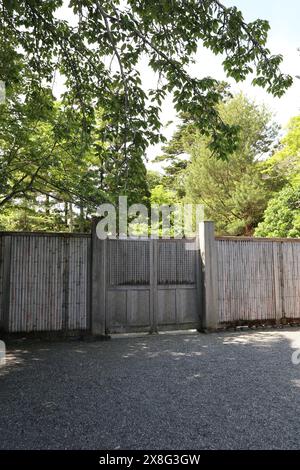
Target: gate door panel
178	285
151	285
128	286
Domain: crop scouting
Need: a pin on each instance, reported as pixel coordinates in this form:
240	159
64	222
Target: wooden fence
258	279
150	285
61	282
44	282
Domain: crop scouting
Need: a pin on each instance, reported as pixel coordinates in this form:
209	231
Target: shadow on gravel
184	391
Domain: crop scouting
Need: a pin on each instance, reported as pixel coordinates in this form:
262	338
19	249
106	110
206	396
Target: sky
284	38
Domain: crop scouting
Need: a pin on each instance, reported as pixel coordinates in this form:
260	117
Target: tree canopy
90	145
234	191
286	159
100	49
282	216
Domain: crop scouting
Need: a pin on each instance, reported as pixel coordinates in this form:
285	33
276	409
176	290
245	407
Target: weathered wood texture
151	284
209	266
98	283
291	279
128	262
48	282
1	281
258	279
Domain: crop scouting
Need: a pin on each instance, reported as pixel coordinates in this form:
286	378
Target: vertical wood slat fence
47	284
44	282
258	279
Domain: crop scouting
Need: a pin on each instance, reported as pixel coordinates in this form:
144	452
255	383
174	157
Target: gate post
6	266
98	284
153	285
209	265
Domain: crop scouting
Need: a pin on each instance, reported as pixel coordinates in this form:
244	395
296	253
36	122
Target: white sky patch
207	64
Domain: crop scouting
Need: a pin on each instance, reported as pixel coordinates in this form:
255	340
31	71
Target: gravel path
171	391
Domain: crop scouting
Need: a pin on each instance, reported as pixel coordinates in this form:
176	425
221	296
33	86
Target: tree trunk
66	214
81	220
71	224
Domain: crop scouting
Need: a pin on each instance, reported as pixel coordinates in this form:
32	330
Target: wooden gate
149	285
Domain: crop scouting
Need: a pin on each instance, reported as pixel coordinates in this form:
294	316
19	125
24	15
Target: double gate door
152	285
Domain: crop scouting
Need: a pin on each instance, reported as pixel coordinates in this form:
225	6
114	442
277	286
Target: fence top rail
88	235
149	239
45	234
257	239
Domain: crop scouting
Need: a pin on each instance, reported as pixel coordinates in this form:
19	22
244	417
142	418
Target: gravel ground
171	391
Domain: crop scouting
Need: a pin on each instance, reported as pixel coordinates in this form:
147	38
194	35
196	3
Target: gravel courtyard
233	390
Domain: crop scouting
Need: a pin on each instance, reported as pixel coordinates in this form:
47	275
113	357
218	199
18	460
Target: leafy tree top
282	216
99	53
286	160
234	191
